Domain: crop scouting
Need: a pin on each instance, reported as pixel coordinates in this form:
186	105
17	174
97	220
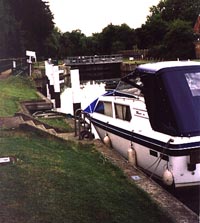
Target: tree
152	33
52	44
169	26
10	38
24	25
107	38
179	41
126	36
114	38
36	22
72	44
187	10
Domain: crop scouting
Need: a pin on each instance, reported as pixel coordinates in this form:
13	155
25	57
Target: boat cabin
172	95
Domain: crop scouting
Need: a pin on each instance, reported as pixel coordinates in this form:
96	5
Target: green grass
60	123
13	90
59	181
126	60
55	181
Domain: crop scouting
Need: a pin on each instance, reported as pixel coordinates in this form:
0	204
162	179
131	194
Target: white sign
5	160
31	54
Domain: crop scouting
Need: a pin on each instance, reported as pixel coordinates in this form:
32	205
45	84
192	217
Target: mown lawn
55	181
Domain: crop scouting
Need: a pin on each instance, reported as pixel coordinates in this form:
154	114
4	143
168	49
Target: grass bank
13	90
59	181
60	123
55	181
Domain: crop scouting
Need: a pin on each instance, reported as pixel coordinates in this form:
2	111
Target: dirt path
5	74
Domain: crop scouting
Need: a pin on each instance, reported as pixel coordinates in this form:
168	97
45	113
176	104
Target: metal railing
96	59
17	65
5	64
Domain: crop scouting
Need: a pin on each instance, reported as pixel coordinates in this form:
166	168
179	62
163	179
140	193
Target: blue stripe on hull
163	147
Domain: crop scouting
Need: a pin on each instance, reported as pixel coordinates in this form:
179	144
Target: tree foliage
115	38
167	33
179	40
112	39
170	10
10	40
28	24
169	29
24	25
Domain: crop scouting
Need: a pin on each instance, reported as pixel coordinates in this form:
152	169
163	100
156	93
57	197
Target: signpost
30	54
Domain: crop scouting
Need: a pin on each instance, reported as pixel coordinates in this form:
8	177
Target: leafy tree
72	44
92	45
107	38
170	10
24	25
126	36
52	44
179	40
169	28
10	39
152	33
36	22
114	38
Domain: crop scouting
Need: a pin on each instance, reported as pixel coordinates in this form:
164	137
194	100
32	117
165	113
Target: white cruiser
153	118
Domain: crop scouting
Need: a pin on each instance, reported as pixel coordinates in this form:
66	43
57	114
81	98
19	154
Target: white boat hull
155	166
155	111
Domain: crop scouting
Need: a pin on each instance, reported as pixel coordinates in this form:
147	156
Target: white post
76	92
75	81
56	77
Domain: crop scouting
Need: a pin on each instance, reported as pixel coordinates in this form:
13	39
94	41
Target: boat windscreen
130	85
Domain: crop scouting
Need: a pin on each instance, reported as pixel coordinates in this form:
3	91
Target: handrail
96	59
12	63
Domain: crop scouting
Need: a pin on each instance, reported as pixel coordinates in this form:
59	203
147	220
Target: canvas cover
172	98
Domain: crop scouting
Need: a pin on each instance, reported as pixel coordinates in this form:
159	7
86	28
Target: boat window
193	80
123	112
131	86
104	107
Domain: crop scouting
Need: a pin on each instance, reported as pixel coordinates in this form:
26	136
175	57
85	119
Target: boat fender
107	140
168	178
131	156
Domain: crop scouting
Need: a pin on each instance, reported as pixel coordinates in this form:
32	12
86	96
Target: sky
91	16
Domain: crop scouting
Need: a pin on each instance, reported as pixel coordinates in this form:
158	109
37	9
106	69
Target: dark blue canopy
172	97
